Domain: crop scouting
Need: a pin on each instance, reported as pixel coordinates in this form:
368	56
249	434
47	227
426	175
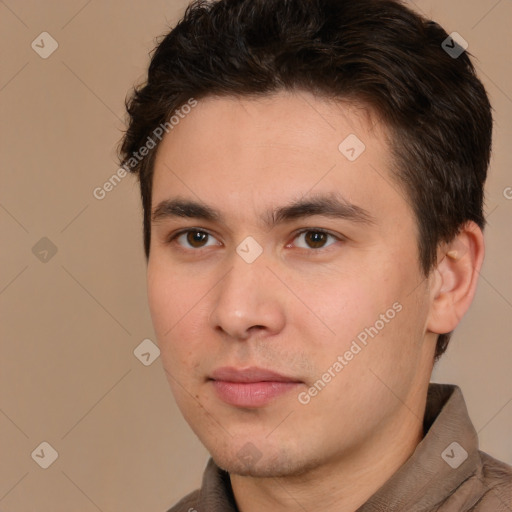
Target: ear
453	282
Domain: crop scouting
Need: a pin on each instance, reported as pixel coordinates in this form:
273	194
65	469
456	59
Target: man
312	177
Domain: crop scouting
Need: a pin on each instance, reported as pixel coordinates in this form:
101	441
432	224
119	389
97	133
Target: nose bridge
245	298
243	283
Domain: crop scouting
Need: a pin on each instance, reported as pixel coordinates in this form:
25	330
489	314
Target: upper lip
251	374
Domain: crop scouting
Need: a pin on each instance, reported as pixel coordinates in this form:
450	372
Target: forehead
248	152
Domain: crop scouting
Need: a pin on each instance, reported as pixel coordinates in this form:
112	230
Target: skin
298	306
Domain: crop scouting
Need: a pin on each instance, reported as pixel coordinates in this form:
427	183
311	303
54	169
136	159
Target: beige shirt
446	472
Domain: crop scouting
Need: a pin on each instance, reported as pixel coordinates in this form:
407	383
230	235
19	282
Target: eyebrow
330	205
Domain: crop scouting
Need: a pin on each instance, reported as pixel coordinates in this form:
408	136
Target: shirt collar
446	457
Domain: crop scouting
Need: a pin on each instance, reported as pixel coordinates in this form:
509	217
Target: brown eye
315	239
196	238
193	239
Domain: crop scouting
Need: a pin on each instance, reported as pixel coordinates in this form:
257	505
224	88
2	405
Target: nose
248	300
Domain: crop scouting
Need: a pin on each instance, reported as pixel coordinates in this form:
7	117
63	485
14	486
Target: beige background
69	325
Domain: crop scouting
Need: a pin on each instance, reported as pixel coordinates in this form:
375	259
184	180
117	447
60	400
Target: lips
251	374
250	387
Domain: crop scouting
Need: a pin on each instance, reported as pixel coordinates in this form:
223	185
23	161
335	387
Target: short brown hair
378	52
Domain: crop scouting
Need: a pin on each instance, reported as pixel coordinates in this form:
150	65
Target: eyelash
172	238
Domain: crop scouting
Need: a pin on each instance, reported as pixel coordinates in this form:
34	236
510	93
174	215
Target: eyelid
173	236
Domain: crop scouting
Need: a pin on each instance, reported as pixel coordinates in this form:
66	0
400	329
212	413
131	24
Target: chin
249	461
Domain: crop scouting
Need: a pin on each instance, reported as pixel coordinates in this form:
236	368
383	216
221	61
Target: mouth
250	387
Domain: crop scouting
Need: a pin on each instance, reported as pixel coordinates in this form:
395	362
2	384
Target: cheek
170	296
171	303
338	307
161	296
372	304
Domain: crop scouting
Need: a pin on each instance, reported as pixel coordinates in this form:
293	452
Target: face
279	246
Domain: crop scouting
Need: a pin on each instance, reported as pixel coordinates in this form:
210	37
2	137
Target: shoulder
187	504
496	481
495	469
488	488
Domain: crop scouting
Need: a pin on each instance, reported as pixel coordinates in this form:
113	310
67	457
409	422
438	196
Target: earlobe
455	279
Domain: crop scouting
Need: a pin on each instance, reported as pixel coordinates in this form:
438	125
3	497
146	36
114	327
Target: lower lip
251	394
